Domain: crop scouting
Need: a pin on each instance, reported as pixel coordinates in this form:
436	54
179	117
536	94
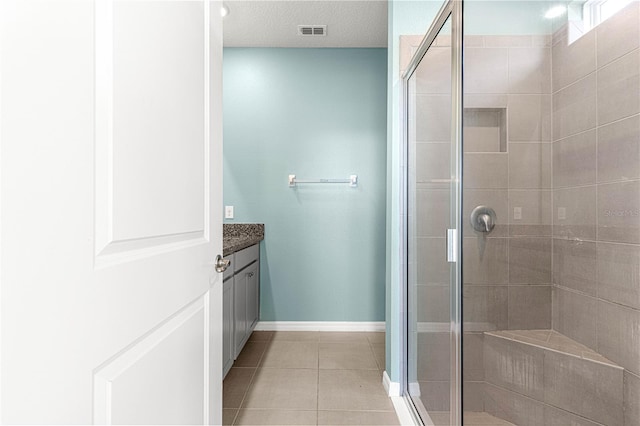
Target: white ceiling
268	23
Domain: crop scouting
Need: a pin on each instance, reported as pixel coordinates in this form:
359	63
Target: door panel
158	134
432	194
111	212
137	387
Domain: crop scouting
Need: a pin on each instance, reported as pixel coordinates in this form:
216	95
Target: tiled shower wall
596	193
572	163
507	275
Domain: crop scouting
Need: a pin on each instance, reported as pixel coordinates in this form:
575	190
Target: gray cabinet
245	294
228	349
241	302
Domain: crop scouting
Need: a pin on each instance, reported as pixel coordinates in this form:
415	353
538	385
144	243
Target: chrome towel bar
352	181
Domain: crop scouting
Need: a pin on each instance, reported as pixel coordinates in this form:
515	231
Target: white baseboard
320	326
414	389
405	416
392	388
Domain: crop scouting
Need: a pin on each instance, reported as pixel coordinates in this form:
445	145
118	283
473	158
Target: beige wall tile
619	88
408	44
435	395
432	161
579	218
485	307
529	260
473	41
433	303
619	273
507	41
473	356
541	40
433	75
529	165
631	399
619	34
572	62
485	260
434	357
574	265
496	199
530	70
486	70
535	207
485	101
574	160
587	388
432	212
619	212
514	366
573	316
529	307
557	417
435	111
574	108
513	407
529	118
619	150
431	261
618	335
473	397
486	171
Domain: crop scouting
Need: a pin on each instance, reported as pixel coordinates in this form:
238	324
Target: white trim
320	326
405	417
392	388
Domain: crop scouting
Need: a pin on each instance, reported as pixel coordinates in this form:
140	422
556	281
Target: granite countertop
238	236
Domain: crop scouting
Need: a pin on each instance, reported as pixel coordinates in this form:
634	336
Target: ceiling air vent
312	30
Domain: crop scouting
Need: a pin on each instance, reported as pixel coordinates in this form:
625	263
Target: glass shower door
431	219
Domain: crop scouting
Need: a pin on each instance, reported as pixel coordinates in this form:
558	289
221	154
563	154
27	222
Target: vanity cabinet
241	302
228	349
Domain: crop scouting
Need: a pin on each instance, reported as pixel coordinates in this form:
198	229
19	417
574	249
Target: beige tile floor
308	378
470	419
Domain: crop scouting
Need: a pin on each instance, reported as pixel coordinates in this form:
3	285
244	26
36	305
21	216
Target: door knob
221	264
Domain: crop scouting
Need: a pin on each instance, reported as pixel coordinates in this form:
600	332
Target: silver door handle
221	264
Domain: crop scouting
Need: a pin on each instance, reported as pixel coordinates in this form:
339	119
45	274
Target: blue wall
316	113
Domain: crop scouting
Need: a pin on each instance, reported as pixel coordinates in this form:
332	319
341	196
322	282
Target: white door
110	192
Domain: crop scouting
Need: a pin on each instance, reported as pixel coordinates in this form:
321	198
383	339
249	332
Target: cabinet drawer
246	257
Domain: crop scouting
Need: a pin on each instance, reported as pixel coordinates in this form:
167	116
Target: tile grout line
252	378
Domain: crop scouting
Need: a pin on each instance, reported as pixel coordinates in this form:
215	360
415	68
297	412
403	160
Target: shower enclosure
522	129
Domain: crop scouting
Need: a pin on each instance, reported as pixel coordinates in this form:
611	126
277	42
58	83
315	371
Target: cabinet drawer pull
250	274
